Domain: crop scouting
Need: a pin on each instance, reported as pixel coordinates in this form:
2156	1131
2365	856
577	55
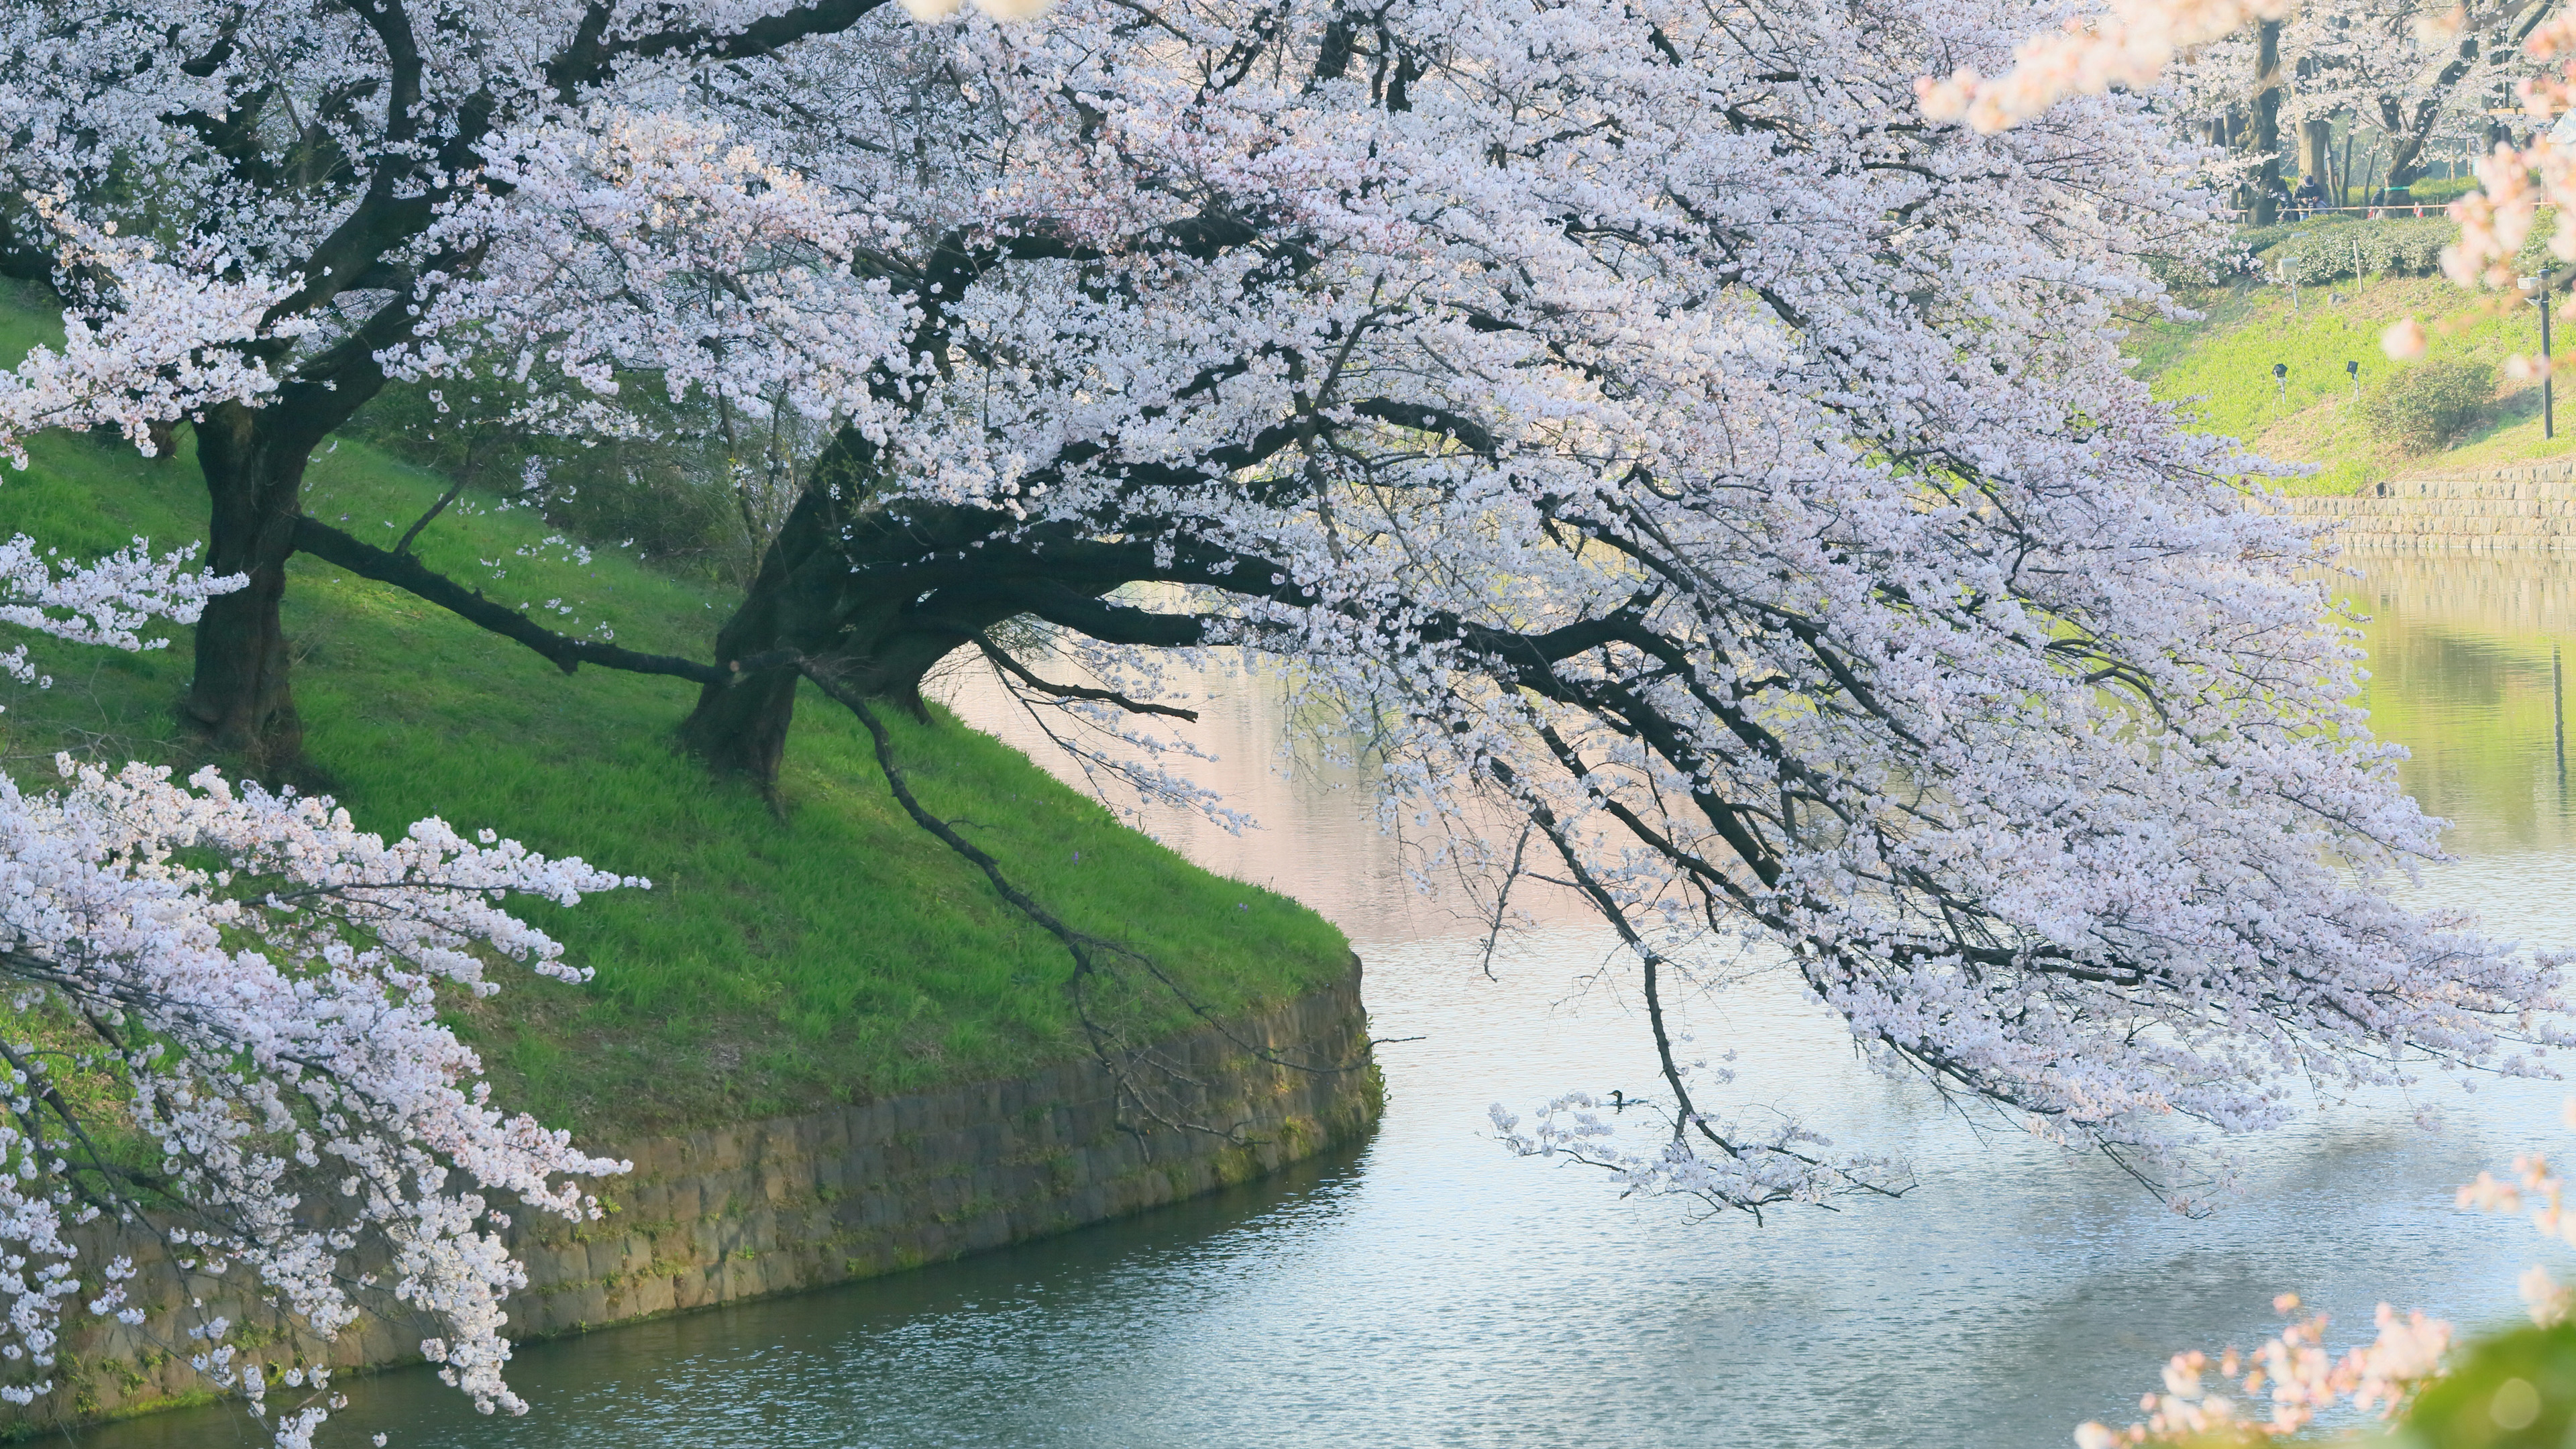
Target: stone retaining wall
798	1202
2527	508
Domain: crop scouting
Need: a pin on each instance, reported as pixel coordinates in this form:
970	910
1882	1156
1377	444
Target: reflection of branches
1755	1174
1767	1170
1096	960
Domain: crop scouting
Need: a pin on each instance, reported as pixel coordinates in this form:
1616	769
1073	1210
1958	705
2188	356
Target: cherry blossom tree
2408	71
2402	77
2411	74
387	186
2135	42
1685	439
1674	442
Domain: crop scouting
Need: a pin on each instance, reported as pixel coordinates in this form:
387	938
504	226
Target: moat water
1426	1288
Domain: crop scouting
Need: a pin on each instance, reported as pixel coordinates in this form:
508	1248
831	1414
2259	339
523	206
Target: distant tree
2406	81
2409	73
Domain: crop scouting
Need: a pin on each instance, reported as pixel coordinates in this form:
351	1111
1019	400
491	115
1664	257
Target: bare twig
1003	660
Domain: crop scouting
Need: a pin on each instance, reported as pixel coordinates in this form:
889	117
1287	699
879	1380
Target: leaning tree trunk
740	724
2407	143
834	591
872	598
254	482
873	601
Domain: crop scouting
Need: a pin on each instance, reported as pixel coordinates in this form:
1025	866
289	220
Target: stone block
871	1124
990	1230
738	1279
652	1296
586	1305
693	1289
683	1201
709	1241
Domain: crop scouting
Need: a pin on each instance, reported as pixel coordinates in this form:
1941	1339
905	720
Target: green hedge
2434	188
2326	248
2260	239
2325	251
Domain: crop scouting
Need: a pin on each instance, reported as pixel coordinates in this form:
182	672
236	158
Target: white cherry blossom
223	1031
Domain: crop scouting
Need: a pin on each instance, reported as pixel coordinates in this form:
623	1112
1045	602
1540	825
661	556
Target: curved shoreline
791	1203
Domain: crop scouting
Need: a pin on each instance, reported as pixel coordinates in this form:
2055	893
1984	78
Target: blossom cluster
729	273
107	601
153	337
2281	1387
272	1014
244	988
2129	45
2535	1187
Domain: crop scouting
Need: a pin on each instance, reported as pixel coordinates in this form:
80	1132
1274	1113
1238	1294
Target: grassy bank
2220	369
829	952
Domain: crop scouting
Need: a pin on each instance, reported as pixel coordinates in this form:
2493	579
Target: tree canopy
1692	443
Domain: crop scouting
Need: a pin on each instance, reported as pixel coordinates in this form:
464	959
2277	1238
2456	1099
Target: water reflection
2466	658
1426	1289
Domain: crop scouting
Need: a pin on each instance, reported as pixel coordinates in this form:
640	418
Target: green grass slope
2220	370
829	952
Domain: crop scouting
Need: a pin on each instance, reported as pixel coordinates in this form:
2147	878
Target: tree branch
1076	691
408	574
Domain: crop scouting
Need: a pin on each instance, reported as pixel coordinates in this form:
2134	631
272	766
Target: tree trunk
2316	151
739	726
877	596
254	481
2408	135
817	598
2263	137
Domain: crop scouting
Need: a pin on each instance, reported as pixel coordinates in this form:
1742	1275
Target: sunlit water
1425	1288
